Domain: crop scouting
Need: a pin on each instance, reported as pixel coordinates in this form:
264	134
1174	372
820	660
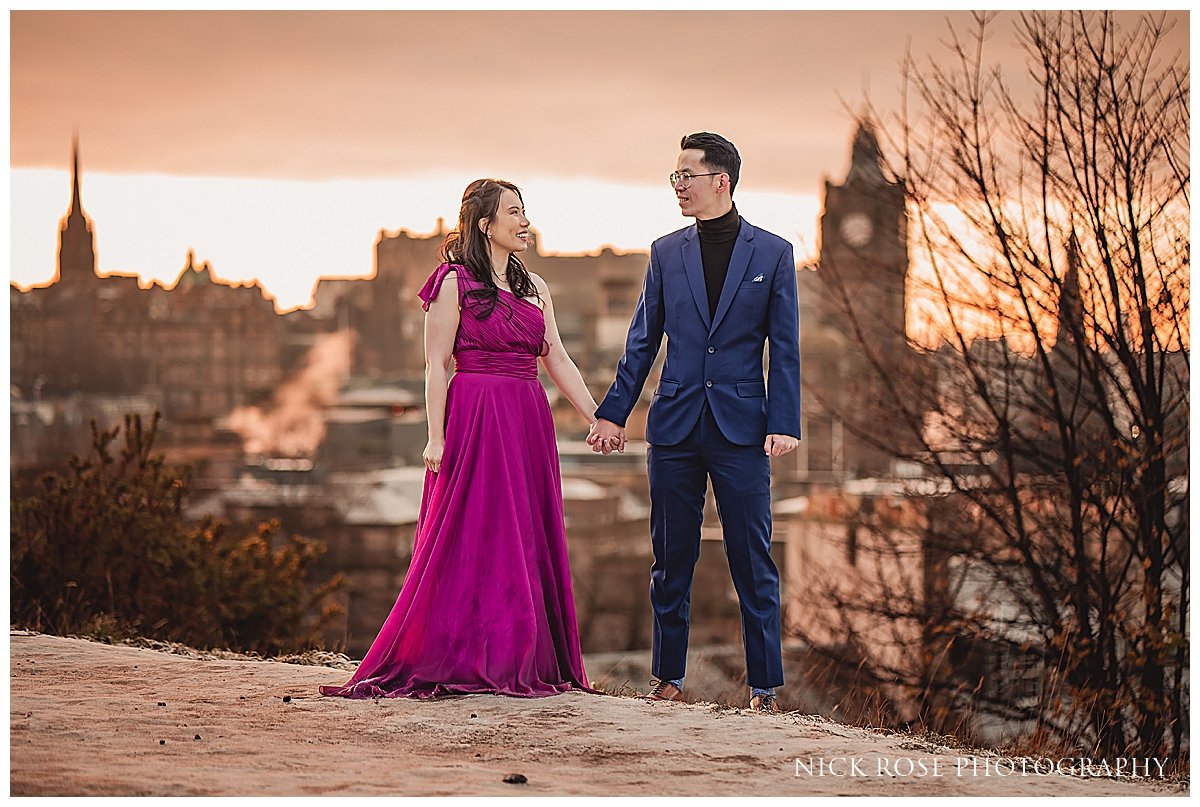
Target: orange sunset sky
278	144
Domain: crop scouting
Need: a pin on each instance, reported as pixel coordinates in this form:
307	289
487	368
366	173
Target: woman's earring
489	234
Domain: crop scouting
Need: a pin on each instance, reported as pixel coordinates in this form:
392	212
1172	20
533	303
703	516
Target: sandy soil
93	719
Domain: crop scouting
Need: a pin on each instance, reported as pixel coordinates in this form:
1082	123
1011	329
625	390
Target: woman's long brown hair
466	246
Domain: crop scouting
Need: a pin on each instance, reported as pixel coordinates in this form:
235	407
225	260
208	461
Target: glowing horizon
287	234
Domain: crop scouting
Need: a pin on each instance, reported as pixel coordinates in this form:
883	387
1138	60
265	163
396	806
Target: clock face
857	229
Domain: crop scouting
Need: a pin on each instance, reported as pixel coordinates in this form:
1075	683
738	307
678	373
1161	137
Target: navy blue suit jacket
721	359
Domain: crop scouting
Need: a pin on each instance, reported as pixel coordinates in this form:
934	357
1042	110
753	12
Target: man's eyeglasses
686	178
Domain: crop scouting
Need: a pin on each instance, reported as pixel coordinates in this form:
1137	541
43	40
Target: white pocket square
758	279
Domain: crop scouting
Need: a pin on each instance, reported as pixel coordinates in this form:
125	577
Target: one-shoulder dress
486	605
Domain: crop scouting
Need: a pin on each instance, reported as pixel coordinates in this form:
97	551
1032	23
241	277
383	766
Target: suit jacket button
708	383
712	349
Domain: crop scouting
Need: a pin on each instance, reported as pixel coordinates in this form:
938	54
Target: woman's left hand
432	456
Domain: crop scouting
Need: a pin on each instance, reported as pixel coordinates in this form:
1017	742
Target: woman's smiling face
508	228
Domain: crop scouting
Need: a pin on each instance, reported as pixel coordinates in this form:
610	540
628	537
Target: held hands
432	456
605	437
776	445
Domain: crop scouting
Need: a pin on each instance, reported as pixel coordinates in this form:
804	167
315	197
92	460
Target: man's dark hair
719	154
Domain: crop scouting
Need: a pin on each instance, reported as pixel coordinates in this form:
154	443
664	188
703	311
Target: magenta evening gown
486	606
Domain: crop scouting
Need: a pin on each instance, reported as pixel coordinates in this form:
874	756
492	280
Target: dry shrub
105	550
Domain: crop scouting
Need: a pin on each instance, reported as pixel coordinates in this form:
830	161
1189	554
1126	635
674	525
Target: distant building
196	351
855	296
53	329
594	300
212	347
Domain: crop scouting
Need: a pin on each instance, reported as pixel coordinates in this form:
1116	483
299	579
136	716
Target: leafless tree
1049	236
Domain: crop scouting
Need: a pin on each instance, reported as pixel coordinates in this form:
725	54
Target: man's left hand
776	445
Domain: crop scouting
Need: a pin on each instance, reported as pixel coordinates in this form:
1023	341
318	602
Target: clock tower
864	246
856	318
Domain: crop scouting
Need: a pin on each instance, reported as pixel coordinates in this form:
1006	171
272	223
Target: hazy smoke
293	426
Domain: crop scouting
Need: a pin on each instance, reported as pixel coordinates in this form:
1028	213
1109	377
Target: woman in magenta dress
486	606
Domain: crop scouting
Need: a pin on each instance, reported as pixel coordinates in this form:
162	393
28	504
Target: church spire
76	198
76	243
1070	314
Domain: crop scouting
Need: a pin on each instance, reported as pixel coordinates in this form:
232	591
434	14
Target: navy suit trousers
741	479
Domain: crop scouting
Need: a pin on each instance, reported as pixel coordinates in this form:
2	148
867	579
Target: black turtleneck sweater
717	237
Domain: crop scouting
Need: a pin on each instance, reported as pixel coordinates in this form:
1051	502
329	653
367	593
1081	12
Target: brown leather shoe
765	703
664	691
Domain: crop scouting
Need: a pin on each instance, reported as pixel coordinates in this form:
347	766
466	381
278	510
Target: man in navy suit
719	290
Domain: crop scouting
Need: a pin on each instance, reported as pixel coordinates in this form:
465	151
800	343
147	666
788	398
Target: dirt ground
93	719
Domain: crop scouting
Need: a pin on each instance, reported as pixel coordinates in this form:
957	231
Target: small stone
162	742
515	779
197	736
287	698
478	754
162	703
241	697
474	715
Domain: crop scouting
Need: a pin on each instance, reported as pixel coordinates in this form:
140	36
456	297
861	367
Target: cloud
324	95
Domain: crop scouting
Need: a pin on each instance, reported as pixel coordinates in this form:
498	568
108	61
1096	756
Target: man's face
705	197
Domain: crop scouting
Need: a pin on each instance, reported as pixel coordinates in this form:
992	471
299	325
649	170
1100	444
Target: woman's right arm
441	325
